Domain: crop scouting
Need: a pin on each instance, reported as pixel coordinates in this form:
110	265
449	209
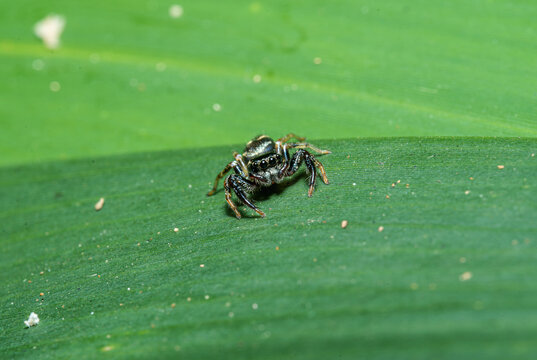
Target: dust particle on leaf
344	224
50	30
175	11
55	86
33	320
465	276
99	205
500	167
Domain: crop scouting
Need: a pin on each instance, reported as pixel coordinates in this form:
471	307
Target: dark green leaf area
443	267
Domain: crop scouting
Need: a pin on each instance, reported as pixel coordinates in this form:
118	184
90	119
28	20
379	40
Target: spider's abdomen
258	147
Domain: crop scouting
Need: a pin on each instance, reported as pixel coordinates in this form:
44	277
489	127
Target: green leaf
133	79
452	271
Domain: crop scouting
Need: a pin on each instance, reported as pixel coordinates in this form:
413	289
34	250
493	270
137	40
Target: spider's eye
253	167
272	161
263	164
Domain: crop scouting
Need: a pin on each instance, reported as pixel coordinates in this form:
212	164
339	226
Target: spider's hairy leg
219	176
290	136
238	165
239	185
228	199
311	163
308	146
321	169
311	168
316	162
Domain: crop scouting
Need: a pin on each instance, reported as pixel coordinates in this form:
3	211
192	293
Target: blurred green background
134	79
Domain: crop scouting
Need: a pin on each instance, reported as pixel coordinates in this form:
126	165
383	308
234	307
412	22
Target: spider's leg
321	169
311	163
239	186
281	149
310	146
315	161
228	199
290	136
313	173
219	176
238	165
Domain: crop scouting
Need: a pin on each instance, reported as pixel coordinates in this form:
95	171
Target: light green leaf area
133	79
443	267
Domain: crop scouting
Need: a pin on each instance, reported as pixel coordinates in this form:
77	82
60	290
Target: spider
265	162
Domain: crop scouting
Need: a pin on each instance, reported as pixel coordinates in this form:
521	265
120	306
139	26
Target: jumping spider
265	162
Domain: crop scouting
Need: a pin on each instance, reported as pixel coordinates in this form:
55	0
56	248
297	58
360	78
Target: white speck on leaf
176	11
33	320
50	30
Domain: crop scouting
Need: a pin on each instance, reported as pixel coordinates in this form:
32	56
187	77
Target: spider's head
263	160
267	167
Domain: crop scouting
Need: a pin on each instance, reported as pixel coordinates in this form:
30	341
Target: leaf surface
445	265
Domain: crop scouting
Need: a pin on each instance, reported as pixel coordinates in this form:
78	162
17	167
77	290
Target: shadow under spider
264	193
